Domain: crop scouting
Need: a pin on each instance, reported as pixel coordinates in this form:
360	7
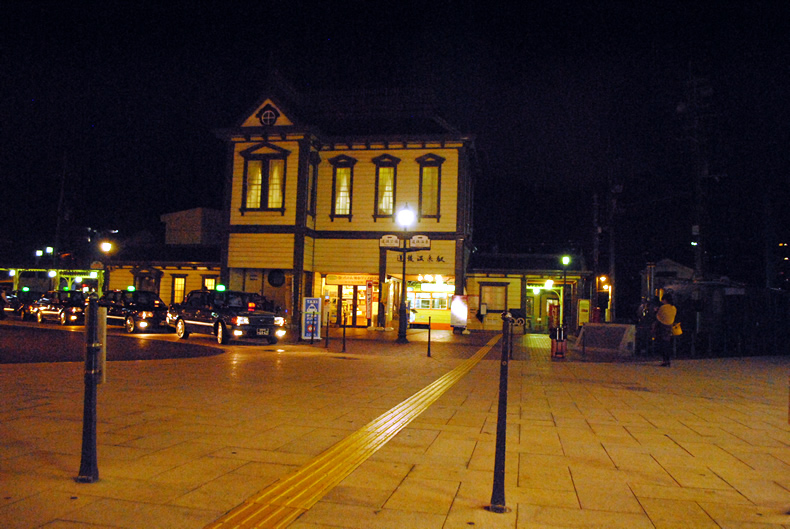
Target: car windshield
145	298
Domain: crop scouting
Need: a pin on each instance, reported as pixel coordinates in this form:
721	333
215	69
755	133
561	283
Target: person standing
3	303
665	318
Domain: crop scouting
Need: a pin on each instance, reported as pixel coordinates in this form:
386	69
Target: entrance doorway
353	302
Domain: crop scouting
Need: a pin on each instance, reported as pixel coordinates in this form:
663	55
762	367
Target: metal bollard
429	336
326	344
344	333
89	467
498	492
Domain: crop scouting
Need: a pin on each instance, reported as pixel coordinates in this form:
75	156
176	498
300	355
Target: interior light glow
549	283
435	287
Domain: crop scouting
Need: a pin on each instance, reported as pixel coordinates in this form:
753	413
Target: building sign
351	279
389	241
311	319
421	258
420	241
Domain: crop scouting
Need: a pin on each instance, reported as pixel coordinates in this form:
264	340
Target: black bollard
89	467
429	336
344	332
498	492
326	344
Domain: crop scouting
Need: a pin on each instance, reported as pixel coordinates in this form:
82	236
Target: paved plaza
382	436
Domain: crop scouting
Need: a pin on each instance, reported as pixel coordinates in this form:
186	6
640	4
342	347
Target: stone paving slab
705	443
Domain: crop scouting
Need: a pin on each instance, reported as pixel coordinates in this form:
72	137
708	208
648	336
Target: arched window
342	186
430	186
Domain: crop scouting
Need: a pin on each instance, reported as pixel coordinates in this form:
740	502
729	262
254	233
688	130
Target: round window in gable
268	115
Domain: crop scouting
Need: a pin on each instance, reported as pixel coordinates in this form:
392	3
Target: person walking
662	329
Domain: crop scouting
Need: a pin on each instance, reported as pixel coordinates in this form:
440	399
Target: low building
535	287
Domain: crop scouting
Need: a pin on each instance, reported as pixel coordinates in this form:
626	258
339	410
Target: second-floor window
264	178
386	178
342	186
430	185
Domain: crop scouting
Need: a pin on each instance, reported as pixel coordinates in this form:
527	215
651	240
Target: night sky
566	99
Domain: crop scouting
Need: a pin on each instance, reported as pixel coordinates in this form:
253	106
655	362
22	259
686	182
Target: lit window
179	288
209	283
264	178
386	175
342	186
494	296
430	185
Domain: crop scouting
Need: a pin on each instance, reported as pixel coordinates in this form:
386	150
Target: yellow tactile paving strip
285	500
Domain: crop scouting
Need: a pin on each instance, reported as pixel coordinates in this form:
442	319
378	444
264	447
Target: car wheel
39	317
181	329
129	324
272	340
62	318
222	334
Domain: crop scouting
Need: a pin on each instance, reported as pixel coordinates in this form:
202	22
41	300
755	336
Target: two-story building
315	183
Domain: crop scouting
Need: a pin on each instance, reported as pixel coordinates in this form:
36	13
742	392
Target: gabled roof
333	114
172	254
521	263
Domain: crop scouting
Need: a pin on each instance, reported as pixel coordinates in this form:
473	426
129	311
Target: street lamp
105	247
565	262
405	218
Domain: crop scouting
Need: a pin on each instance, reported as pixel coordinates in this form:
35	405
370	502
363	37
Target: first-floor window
209	282
494	296
179	288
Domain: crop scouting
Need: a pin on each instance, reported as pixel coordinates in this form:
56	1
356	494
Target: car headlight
279	321
242	320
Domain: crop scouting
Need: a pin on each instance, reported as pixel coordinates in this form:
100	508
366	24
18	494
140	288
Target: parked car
135	310
226	315
20	303
67	307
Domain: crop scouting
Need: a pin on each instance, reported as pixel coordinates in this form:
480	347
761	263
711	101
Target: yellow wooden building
316	183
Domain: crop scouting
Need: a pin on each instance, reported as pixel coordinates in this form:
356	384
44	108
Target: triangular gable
263	149
268	114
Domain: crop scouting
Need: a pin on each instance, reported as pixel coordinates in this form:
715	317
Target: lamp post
565	262
405	219
105	247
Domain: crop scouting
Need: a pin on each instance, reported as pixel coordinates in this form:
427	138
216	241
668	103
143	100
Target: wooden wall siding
513	290
309	258
408	189
440	259
121	279
361	256
261	250
265	217
350	256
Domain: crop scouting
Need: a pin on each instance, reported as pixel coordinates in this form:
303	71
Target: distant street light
405	218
